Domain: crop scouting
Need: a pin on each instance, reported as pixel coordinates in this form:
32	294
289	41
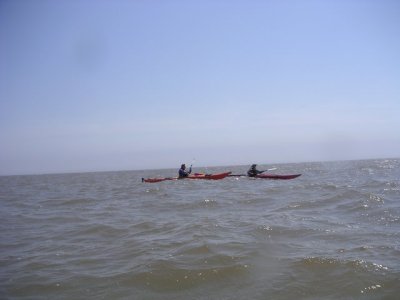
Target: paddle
272	169
190	168
239	175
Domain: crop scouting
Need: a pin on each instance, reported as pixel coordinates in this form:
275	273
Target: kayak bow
275	176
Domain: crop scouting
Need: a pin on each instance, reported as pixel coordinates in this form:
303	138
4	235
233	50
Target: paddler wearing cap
253	172
182	171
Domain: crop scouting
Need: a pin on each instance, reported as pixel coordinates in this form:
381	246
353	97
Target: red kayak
194	176
275	176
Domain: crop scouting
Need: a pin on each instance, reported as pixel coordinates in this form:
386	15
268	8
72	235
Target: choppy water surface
332	233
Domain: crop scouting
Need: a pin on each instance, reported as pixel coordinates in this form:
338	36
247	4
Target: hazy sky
121	85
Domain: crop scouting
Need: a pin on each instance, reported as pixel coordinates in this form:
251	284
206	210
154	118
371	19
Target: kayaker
252	172
182	171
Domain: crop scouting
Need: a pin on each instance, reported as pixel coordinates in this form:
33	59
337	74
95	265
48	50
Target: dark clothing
252	172
183	173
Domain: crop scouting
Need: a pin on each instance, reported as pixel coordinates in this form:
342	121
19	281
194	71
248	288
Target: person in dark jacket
252	172
182	171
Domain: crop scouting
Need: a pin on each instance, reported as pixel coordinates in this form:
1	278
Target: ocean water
332	233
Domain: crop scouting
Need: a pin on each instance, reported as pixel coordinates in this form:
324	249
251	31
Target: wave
328	262
318	276
164	276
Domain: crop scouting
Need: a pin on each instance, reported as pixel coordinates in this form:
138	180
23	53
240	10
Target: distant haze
121	85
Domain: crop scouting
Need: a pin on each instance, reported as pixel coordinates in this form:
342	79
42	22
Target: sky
97	85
